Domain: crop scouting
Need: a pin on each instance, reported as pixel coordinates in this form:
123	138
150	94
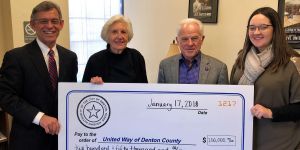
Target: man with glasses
192	66
28	82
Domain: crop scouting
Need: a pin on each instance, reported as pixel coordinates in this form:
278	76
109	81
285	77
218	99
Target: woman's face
118	37
260	31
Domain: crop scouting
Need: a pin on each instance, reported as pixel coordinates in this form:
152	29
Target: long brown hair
281	51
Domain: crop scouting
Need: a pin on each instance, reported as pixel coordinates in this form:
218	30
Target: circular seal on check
93	111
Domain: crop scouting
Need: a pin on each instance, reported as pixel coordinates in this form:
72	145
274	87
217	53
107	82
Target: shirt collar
45	49
195	61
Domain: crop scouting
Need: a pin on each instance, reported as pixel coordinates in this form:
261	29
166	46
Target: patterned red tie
52	69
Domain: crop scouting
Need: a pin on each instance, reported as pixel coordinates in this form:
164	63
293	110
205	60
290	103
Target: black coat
25	90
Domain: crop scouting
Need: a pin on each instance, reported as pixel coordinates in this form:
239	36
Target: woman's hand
96	80
260	111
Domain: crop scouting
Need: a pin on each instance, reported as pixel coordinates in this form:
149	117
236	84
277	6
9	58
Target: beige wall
5	28
21	11
155	23
2	46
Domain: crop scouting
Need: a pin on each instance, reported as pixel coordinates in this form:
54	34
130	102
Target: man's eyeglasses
262	27
46	21
194	39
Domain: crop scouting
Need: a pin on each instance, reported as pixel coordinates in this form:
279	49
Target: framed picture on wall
289	10
204	10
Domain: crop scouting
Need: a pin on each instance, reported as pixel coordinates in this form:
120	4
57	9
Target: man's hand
50	124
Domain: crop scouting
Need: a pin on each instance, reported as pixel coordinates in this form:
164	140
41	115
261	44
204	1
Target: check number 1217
226	103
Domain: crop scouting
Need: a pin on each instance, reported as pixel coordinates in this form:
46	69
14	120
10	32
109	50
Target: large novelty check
155	117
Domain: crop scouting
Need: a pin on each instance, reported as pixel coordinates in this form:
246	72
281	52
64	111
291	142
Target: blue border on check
157	92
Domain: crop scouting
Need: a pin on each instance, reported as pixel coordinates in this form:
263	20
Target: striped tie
52	69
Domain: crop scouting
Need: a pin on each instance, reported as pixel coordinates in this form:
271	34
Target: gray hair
111	21
45	6
190	21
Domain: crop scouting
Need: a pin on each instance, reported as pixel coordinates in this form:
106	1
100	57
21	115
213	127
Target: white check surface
155	117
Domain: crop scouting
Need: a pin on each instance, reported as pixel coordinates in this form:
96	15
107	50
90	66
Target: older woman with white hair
117	63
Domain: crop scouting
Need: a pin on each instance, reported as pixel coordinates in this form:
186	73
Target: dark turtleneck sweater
127	67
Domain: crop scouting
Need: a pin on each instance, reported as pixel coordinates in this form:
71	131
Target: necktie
52	69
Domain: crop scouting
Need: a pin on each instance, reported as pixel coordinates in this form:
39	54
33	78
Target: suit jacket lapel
175	69
61	63
204	69
38	60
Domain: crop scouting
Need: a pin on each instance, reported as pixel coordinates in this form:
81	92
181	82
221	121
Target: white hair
190	21
111	21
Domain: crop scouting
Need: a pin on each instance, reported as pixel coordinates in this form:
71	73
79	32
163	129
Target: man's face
47	26
190	41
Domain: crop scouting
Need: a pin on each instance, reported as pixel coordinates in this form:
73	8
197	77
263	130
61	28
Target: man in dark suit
192	66
28	82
